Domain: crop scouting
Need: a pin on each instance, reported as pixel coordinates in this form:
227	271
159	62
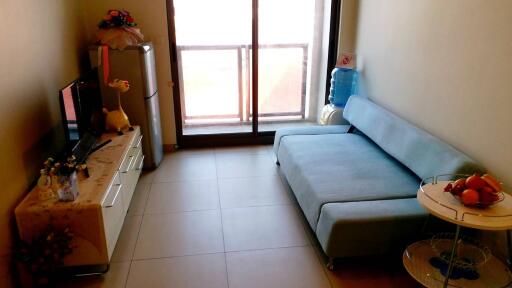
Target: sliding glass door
214	74
285	41
212	39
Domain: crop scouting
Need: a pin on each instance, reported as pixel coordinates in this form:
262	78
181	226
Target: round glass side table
422	260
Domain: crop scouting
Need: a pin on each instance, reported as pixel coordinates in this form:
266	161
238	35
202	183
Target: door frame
243	138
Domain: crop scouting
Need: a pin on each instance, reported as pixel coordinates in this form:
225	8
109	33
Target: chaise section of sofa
341	168
357	187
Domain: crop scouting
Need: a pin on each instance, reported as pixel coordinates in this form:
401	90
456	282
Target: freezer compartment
147	57
135	64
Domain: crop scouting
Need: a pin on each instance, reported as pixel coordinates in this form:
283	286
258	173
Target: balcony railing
282	81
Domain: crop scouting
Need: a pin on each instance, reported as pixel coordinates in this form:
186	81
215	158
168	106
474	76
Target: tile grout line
221	221
220	208
180	212
127	275
220	252
138	233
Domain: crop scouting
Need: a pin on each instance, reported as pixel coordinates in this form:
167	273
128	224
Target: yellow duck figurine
116	120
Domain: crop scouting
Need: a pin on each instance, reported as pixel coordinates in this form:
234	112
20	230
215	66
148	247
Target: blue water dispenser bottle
343	84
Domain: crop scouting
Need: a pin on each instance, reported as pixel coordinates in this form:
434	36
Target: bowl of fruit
476	191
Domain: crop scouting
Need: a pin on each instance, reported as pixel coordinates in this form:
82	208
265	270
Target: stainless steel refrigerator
137	65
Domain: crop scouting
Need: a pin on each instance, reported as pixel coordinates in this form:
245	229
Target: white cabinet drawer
128	160
130	177
112	210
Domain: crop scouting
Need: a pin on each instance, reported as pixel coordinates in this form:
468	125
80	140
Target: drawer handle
141	163
138	142
113	202
129	165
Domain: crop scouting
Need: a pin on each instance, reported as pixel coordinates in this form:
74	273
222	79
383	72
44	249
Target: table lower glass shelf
418	257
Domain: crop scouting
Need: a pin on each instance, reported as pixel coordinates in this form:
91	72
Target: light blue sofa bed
356	184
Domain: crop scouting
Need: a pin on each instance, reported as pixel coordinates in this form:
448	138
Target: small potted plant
118	30
44	256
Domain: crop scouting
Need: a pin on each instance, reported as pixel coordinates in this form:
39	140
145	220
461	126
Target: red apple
489	198
475	182
459	186
448	187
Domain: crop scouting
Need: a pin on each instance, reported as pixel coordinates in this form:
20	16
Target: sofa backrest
421	152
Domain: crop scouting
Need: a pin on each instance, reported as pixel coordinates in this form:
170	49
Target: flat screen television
81	108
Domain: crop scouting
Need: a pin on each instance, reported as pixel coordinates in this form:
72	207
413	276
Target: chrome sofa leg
330	264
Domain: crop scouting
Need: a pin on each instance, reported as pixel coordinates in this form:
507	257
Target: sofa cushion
421	152
307	130
368	227
341	168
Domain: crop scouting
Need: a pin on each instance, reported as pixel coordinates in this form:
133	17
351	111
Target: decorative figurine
116	120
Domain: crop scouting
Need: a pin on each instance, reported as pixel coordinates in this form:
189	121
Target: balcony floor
241	127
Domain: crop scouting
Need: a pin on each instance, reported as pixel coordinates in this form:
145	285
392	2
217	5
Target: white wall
445	66
151	17
348	26
42	44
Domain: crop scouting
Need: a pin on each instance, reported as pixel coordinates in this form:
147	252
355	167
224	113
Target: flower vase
67	187
120	37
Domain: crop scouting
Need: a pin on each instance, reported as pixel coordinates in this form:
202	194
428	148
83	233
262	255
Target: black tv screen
81	107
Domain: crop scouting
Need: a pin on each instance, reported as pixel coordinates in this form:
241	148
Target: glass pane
212	39
280	89
207	92
286	40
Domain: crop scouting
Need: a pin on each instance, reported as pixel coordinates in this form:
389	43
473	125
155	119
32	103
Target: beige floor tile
295	267
183	168
254	191
369	272
147	176
139	198
245	166
241	150
262	227
180	272
127	239
194	152
114	278
182	196
272	155
179	234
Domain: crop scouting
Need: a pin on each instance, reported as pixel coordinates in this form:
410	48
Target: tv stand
97	215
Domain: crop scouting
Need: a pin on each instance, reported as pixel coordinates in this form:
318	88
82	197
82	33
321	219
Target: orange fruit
469	197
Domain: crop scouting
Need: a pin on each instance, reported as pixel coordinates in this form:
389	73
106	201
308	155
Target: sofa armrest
308	130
